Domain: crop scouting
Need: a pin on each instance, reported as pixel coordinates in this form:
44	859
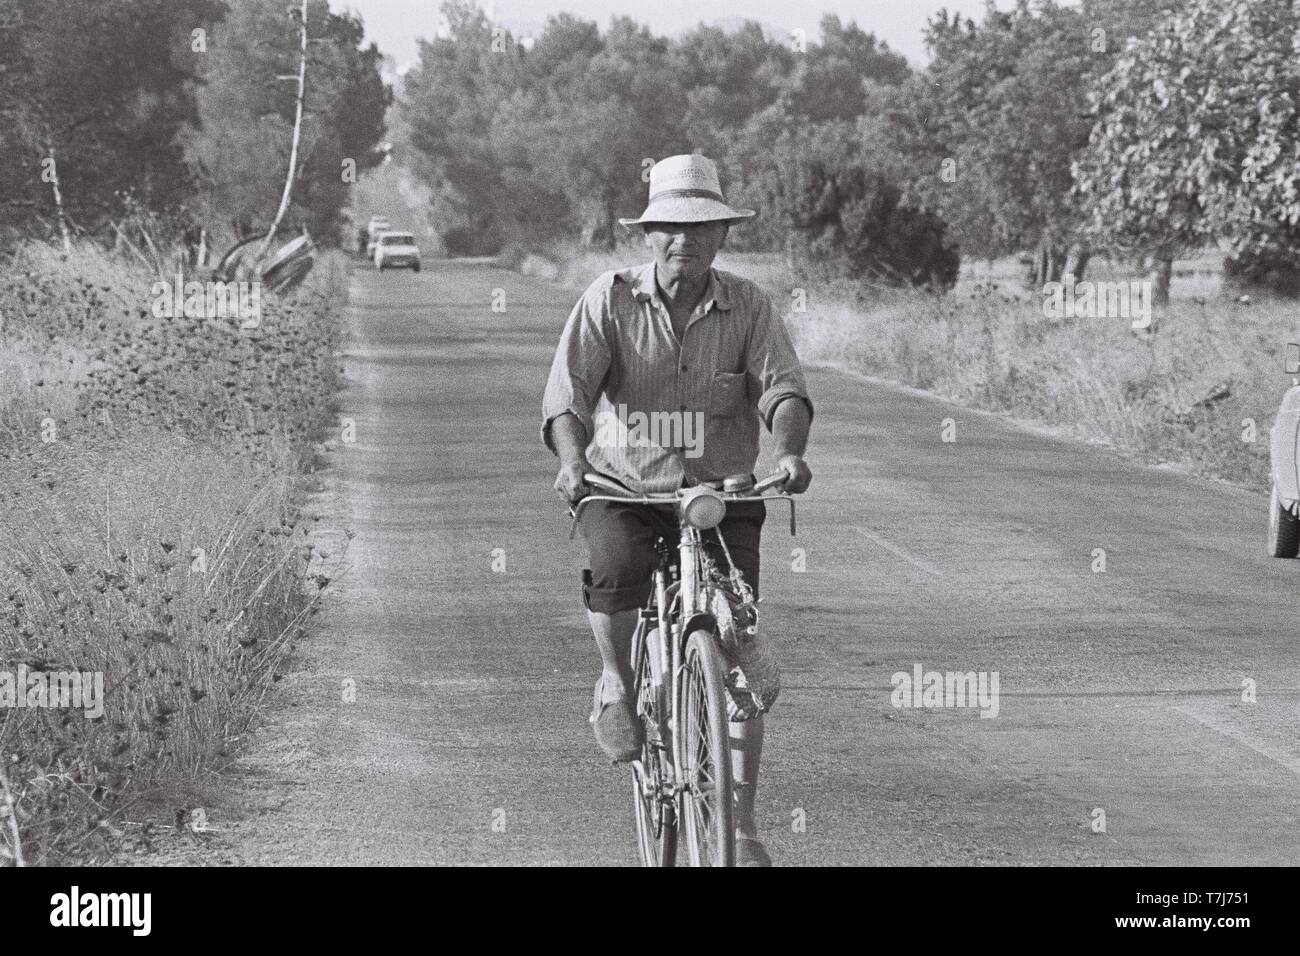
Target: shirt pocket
727	394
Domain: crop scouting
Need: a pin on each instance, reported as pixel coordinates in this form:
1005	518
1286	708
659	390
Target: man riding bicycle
662	374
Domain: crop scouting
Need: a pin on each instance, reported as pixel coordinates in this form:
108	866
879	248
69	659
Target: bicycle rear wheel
705	755
656	818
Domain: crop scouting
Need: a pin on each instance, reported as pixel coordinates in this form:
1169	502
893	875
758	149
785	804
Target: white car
1284	454
396	250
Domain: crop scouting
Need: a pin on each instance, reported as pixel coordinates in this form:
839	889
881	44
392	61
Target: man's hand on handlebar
580	486
570	483
799	475
792	477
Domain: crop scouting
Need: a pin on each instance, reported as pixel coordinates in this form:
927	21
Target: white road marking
898	552
1278	756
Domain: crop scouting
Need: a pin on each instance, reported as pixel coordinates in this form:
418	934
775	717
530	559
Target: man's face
684	250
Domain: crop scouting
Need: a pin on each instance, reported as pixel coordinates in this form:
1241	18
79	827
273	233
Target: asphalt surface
468	743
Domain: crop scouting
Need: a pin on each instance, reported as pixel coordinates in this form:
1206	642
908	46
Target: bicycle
686	775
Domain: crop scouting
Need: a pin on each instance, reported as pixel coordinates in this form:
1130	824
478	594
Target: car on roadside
397	250
1284	467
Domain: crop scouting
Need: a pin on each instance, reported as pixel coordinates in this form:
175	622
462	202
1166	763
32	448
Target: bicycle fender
701	621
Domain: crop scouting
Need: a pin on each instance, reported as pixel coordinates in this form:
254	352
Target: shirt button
685	369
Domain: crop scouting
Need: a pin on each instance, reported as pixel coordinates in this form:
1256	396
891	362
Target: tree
831	80
447	108
588	136
555	140
728	76
351	120
1198	138
847	75
95	92
839	200
239	147
996	121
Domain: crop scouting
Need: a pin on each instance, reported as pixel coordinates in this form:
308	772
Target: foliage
239	148
102	87
994	123
552	142
1198	136
843	210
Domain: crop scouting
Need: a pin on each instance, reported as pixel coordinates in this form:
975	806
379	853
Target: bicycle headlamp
703	508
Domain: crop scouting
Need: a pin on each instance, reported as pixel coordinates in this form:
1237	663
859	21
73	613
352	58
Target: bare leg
613	634
746	751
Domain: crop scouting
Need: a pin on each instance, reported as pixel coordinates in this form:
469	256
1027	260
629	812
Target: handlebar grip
607	486
769	482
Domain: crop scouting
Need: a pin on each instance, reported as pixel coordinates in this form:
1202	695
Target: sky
395	24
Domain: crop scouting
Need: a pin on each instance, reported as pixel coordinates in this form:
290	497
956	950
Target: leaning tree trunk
58	198
297	136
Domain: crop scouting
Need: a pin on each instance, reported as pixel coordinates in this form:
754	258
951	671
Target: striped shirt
658	410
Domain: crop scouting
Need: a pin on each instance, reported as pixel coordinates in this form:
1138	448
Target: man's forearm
569	438
790	424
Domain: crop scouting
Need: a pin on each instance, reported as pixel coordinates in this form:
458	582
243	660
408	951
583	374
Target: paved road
468	741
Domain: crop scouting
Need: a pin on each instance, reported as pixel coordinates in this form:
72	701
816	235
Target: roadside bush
845	216
1278	273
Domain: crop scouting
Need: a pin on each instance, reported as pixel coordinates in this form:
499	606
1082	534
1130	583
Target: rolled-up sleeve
773	368
580	367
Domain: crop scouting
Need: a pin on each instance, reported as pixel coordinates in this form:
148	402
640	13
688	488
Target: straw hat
686	189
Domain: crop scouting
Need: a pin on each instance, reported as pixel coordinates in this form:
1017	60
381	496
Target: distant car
378	226
1284	468
396	250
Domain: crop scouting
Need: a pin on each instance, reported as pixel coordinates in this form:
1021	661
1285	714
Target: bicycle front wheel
656	819
705	754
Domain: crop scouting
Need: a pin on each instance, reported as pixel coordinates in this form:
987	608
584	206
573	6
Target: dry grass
148	529
1185	394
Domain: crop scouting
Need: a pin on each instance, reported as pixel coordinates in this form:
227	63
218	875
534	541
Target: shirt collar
717	295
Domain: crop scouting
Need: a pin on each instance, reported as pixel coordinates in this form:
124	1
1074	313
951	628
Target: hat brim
689	209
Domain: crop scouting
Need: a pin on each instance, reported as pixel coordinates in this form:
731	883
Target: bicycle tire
704	752
656	821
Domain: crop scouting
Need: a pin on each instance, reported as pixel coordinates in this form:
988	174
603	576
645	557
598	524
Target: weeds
149	476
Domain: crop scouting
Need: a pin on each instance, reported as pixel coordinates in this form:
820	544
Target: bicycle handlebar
770	481
609	487
614	488
617	492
